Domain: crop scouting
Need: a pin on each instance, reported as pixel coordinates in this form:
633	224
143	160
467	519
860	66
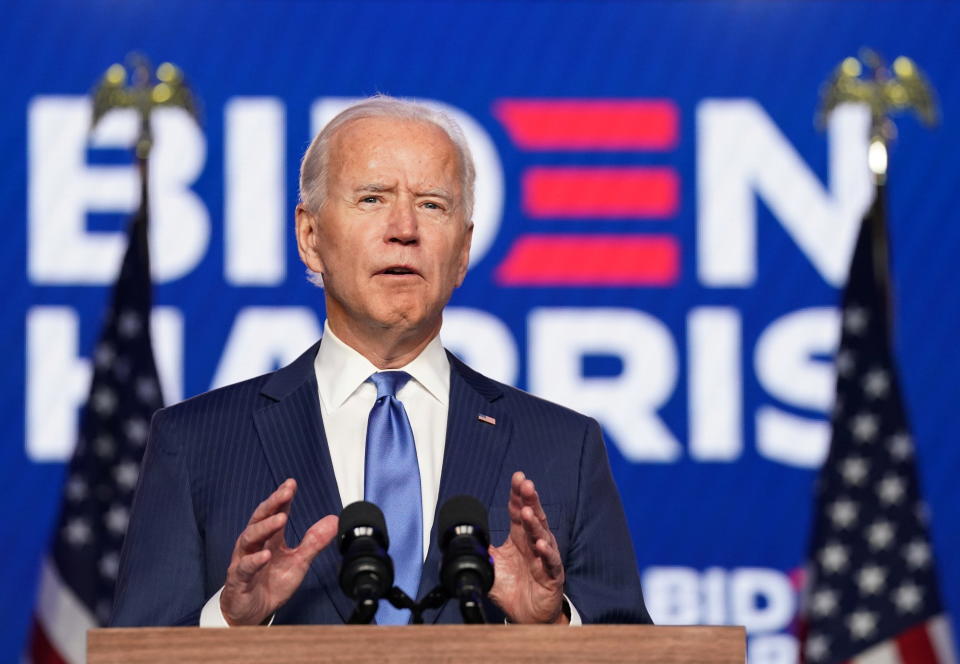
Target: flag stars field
824	602
147	389
908	597
136	430
891	490
834	557
76	489
900	446
865	427
880	535
917	554
104	355
77	532
862	624
846	363
104	446
116	519
129	324
110	565
104	401
125	475
818	647
843	513
856	319
854	470
876	384
871	580
121	369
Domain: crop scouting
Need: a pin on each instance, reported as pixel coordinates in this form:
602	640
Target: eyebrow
375	187
436	193
379	187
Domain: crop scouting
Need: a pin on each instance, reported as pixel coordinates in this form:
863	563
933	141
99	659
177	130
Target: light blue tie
392	482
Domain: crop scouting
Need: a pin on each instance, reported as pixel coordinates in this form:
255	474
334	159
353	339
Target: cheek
339	252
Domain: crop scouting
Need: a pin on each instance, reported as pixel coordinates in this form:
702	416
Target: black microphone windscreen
463	510
362	513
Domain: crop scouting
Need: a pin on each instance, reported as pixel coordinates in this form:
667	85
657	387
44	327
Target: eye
432	205
370	199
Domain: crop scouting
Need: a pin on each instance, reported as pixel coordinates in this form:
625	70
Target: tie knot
389	382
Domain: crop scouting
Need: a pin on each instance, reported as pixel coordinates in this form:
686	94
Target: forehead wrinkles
374	150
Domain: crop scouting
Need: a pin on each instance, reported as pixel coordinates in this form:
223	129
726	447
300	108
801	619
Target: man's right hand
264	572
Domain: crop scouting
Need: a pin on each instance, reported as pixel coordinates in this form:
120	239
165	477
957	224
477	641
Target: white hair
315	166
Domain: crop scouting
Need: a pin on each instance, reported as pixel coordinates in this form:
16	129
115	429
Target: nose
402	225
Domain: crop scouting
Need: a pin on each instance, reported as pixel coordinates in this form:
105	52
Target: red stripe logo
594	192
609	193
591	260
590	124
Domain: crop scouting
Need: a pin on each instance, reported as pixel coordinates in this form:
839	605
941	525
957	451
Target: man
234	477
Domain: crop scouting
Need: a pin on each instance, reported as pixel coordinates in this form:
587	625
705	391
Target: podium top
421	644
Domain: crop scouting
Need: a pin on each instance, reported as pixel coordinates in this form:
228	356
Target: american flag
872	595
78	577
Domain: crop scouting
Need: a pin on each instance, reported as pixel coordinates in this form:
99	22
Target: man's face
390	240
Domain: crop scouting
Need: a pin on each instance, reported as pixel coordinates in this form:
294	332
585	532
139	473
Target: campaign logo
741	159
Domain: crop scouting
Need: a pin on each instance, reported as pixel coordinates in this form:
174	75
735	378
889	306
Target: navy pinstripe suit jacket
211	459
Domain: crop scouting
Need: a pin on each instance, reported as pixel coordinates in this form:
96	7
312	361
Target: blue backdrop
694	273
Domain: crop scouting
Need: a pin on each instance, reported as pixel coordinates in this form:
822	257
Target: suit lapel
293	439
291	433
473	453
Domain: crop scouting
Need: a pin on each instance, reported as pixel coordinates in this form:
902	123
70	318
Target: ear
308	239
464	258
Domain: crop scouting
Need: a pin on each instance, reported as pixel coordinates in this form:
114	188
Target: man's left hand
528	571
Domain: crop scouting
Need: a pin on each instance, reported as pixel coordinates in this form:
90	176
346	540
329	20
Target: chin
407	319
398	319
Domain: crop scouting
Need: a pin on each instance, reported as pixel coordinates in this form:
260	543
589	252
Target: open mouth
399	270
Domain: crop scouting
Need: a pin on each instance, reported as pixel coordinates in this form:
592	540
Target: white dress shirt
346	399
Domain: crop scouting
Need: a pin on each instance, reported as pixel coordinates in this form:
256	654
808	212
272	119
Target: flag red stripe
591	260
915	647
584	192
41	649
590	124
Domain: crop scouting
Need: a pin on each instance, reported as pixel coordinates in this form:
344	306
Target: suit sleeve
160	581
602	579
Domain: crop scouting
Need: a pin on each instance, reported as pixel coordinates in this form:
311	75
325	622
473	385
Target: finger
526	525
529	496
248	566
516	501
255	536
277	501
317	538
534	527
550	555
524	492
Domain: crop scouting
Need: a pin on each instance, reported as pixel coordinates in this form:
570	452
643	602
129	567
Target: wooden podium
421	644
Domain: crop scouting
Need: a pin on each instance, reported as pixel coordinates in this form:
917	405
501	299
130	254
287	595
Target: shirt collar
341	370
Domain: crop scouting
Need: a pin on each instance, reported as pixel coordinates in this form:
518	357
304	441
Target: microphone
366	573
467	569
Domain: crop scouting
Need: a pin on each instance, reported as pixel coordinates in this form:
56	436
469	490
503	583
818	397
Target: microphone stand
364	611
432	600
470	595
471	605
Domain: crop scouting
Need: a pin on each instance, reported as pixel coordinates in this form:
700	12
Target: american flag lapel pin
487	419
